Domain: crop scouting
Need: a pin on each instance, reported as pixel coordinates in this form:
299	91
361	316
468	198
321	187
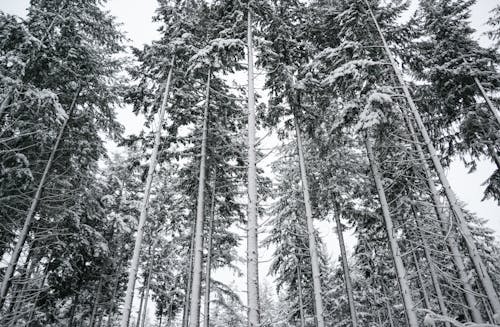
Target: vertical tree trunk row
476	259
396	253
9	272
450	239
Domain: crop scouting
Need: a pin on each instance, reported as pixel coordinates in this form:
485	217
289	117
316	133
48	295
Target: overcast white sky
135	15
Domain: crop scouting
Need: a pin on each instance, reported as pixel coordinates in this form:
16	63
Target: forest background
135	17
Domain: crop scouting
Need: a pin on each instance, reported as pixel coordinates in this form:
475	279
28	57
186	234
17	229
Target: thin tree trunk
148	283
421	283
185	316
487	308
493	110
194	311
169	314
301	302
127	306
6	101
387	302
252	225
474	255
96	303
141	303
494	155
450	239
206	310
18	290
396	253
146	294
4	288
318	301
434	276
345	266
389	313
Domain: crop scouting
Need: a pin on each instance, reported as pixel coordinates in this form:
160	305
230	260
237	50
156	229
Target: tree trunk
421	283
434	276
487	308
396	254
493	110
4	288
450	239
301	302
141	303
494	155
19	289
148	283
206	310
318	301
476	259
185	316
127	306
96	303
345	266
194	311
169	314
6	101
389	313
252	225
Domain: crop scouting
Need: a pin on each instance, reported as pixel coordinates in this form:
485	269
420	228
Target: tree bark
194	312
252	225
185	315
4	288
318	301
127	306
345	266
474	255
5	102
396	253
206	310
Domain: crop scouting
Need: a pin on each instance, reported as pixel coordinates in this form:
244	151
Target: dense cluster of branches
368	112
